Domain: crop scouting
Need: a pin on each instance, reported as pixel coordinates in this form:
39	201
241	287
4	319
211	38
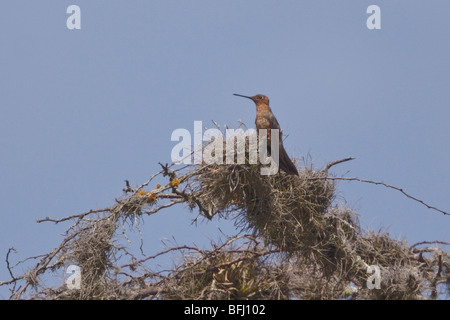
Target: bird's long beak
240	95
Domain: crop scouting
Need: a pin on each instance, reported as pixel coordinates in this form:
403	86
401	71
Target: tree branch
385	185
333	163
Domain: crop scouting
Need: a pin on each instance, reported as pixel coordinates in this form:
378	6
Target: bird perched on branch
265	119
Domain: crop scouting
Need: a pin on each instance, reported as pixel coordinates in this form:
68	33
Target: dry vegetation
293	241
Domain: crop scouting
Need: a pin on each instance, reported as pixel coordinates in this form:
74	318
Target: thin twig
385	185
430	242
163	206
333	163
78	216
180	248
7	262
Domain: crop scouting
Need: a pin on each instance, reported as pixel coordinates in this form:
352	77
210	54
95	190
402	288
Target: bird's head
257	99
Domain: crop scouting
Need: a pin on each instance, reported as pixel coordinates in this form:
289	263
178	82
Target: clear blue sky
83	110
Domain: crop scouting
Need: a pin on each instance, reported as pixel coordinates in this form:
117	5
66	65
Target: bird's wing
274	124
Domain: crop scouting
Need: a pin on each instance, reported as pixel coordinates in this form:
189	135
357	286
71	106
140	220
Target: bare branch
385	185
7	262
333	163
430	242
75	216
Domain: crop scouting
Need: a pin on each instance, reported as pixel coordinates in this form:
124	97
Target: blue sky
83	110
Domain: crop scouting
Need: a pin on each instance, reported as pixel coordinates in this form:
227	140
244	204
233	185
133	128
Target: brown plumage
266	120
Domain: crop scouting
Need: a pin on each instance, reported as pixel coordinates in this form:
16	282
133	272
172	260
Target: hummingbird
265	119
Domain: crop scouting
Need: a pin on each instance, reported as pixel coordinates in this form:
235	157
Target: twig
150	179
7	262
239	259
385	185
163	206
180	248
329	165
430	242
79	216
189	198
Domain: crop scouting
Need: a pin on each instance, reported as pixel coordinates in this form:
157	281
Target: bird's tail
286	163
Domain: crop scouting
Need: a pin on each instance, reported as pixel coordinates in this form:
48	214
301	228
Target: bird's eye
261	97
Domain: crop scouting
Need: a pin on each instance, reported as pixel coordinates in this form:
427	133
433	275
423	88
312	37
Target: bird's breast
262	123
